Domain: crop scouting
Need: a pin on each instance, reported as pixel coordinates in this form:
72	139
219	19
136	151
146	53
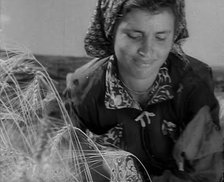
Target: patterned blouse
117	97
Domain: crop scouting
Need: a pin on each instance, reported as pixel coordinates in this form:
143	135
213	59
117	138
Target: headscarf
99	38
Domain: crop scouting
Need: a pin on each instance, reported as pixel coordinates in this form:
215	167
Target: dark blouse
102	104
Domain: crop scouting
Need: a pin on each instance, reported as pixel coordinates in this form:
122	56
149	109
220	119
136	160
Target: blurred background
54	30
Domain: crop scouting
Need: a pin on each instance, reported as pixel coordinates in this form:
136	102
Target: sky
206	27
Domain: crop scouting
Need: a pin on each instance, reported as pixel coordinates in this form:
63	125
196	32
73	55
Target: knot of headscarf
99	38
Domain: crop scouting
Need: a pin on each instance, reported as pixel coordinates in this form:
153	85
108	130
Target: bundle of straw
36	146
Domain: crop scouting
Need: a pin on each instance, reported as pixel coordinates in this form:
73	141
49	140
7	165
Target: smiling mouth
139	62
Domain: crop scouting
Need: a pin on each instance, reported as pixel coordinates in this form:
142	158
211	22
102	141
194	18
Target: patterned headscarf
99	38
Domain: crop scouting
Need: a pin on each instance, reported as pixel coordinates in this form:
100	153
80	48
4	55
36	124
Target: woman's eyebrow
132	27
132	30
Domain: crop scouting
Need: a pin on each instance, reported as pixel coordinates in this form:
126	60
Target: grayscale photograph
112	91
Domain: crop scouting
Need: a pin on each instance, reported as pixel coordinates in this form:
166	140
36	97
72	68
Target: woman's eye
134	35
161	37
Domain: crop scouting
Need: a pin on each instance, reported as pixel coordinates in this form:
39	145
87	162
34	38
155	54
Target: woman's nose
146	48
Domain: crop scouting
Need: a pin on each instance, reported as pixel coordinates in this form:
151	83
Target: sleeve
83	101
200	144
196	95
76	121
82	115
198	152
201	147
73	102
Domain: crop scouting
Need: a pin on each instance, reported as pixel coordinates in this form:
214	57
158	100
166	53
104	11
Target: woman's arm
201	146
199	149
198	152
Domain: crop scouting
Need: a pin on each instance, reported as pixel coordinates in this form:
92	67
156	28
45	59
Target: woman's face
143	41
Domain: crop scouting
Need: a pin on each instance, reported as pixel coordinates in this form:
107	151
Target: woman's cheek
126	49
162	51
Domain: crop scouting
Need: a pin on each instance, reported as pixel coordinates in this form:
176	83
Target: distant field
218	71
59	66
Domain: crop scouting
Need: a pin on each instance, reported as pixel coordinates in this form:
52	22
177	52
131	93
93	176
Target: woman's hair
153	6
108	14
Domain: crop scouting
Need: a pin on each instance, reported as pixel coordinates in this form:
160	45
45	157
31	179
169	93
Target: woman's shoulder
87	80
194	88
90	68
202	70
191	72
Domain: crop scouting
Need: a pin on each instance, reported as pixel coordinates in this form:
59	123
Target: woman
142	94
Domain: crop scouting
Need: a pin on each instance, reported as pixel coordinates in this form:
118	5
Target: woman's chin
145	73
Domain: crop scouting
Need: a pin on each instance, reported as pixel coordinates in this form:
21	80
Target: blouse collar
117	97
